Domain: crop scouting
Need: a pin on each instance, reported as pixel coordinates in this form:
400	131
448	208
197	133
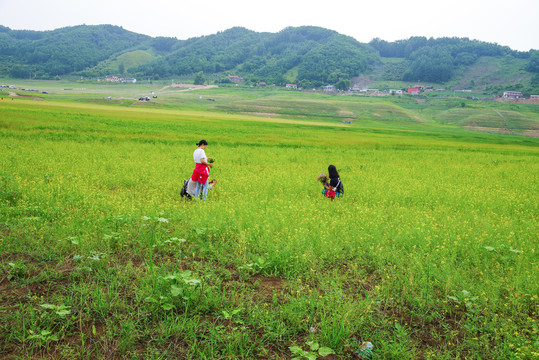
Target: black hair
332	172
202	142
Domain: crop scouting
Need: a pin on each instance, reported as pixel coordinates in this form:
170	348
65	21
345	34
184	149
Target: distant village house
329	88
291	86
512	95
370	91
534	97
118	79
235	79
413	91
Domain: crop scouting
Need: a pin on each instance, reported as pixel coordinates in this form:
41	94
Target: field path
504	121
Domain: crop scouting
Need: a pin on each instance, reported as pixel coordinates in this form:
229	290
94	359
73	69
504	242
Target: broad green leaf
296	350
49	306
234	312
186	274
175	290
192	282
313	345
63	313
325	351
168	306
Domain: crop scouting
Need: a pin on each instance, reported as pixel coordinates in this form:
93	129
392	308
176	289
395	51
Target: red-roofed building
413	91
235	79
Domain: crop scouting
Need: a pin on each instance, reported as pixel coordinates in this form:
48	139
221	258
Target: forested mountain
316	56
435	60
62	51
310	56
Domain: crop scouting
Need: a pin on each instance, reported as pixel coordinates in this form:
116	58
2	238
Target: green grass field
431	253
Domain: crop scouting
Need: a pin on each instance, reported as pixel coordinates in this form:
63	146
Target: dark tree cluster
435	60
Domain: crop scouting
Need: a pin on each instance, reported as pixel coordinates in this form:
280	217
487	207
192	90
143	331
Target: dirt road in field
189	87
13	95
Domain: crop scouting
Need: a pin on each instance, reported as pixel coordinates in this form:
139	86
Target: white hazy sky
514	23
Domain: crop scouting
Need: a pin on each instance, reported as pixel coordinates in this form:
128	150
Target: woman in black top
335	184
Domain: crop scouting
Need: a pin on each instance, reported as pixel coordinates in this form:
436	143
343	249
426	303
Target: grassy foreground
430	254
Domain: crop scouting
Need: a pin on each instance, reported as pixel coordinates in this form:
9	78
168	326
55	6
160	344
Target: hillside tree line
309	56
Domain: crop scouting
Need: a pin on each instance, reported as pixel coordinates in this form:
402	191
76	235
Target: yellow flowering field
431	253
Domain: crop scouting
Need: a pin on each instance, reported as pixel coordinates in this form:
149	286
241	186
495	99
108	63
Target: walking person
202	169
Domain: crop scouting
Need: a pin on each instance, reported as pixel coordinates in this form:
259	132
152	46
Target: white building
512	94
329	88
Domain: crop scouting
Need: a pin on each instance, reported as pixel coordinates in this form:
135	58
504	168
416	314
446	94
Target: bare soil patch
15	95
518	101
267	287
346	113
531	133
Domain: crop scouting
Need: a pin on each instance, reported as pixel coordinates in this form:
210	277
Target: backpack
183	191
340	188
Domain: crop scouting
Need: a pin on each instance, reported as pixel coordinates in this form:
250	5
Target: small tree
121	68
199	79
343	84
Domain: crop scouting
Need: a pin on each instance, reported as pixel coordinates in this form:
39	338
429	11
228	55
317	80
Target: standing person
202	169
335	186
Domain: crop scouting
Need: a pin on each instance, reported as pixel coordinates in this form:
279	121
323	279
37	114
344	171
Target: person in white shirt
202	169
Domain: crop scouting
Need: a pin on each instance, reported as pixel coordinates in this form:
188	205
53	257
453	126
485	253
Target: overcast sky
507	22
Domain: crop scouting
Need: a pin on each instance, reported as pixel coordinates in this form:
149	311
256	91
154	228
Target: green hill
319	56
308	56
122	63
63	51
